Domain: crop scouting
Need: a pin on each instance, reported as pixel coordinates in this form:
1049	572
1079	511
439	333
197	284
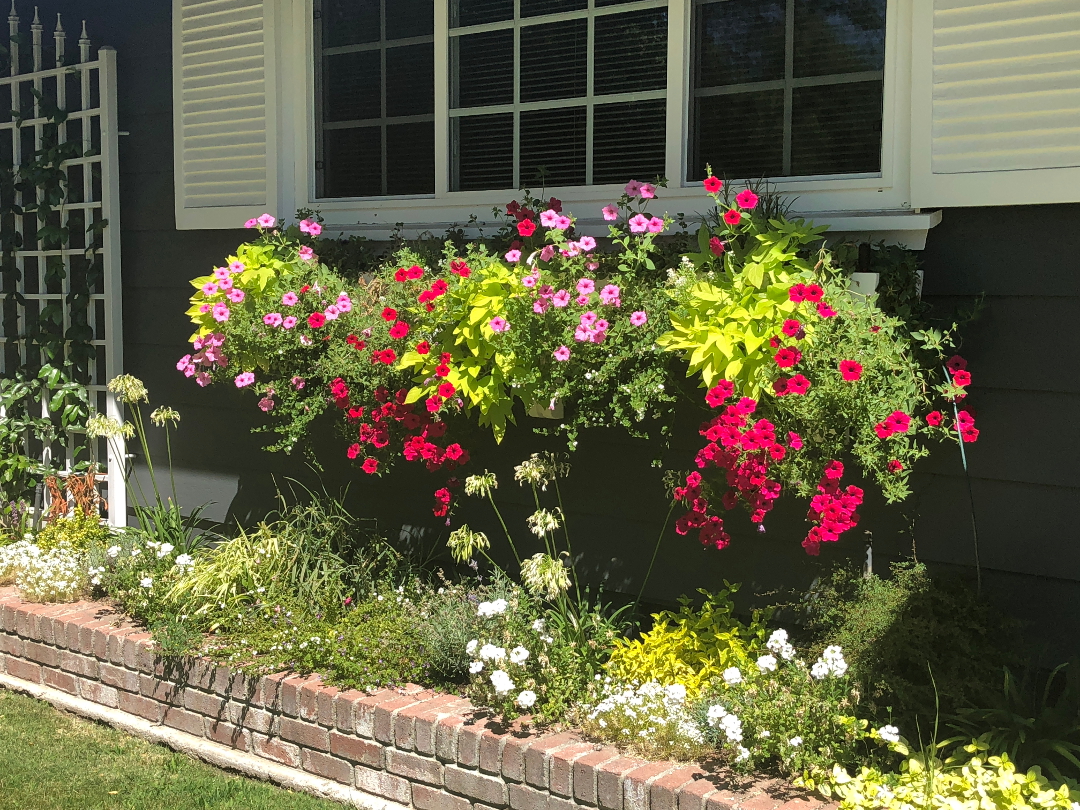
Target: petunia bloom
526	228
850	370
245	379
562	354
389	314
638	318
266	221
272	319
611	213
220	313
306	253
746	199
289	299
639	223
513	256
713	184
498	324
316	320
732	217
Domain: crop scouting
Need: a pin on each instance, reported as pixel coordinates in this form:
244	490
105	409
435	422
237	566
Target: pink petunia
266	404
587	243
582	300
611	213
572	249
331	313
266	221
289	299
632	189
638	318
585	286
298	383
209	288
610	296
549	218
225	284
498	324
545	291
639	223
561	299
221	313
547	253
251	223
647	191
203	378
235	295
513	256
588	318
562	354
563	222
272	319
183	362
306	253
310	226
540	306
236	267
221	272
245	379
288	323
656	225
204	308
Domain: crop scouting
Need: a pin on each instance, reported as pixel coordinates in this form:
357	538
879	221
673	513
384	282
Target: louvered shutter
223	111
995	102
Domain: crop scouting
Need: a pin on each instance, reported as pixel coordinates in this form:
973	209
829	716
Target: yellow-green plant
690	646
79	532
925	782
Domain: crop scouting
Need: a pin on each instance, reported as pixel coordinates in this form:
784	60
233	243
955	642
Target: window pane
629	141
740	134
410	158
352	162
534	8
484	68
553	148
476	12
349	22
409	18
351	86
554	60
631	52
740	41
410	80
602	3
839	36
485	152
836	129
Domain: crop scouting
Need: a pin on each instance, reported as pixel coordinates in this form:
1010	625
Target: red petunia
389	314
442	370
797	293
791	327
399	330
447	390
961	378
894	466
433	404
787	357
798	385
716	246
401	274
370	465
415	272
933	418
305	288
316	320
713	184
439	287
850	370
423	347
825	311
970	434
956	363
353	451
459	268
352	340
732	217
780	387
965	419
526	227
883	430
814	293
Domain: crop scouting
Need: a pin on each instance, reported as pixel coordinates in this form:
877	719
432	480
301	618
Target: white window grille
61	276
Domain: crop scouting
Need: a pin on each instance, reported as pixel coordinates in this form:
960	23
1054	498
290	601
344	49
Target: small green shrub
449	621
79	532
689	646
138	572
913	641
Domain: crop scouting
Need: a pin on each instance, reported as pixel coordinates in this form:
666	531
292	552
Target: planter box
397	748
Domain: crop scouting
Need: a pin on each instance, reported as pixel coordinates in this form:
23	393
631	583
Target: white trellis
85	89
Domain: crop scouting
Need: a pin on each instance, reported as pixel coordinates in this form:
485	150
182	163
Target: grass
49	759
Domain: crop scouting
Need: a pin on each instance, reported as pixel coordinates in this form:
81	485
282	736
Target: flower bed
408	746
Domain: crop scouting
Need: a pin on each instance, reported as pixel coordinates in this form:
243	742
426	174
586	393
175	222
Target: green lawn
49	759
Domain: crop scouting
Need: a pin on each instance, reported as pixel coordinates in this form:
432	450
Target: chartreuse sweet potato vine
800	373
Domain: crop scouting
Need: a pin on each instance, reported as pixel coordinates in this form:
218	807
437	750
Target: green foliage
79	532
16	520
902	635
137	572
1034	726
691	646
971	779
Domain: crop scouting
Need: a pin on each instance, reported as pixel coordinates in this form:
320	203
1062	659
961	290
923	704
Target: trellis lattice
59	223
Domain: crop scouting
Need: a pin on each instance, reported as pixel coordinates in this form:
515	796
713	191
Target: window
375	98
786	87
556	92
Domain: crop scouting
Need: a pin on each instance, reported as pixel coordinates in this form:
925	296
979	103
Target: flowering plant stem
967	478
652	562
506	531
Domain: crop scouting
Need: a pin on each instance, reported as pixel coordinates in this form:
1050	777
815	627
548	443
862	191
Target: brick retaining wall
413	746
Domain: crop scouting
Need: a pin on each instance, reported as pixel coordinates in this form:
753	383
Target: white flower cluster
889	734
730	723
778	643
831	663
492	655
13	558
57	575
488	609
645	715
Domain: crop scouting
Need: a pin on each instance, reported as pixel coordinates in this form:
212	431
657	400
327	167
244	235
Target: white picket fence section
86	89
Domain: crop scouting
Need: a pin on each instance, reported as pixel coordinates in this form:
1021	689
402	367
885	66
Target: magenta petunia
638	318
562	354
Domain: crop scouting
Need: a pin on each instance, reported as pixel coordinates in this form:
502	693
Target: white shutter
995	102
223	111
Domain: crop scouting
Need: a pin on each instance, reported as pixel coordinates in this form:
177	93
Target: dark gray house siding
1023	352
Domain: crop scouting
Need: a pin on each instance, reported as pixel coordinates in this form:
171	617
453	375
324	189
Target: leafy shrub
449	621
689	646
912	641
651	720
79	532
925	781
138	572
1034	726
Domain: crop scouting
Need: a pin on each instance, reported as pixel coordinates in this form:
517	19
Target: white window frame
877	204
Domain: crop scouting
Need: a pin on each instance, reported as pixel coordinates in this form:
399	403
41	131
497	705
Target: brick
309	698
513	756
538	757
425	798
42	653
116	647
585	774
241	714
276	750
134	645
12	645
385	714
8	618
243	687
664	791
802	804
63	681
79	664
491	747
476	786
142	706
637	785
523	797
99	693
426	725
118	677
327	766
18	668
383	784
692	796
355	749
609	781
160	690
446	737
561	769
99	647
305	734
364	711
228	734
414	768
46	632
468	746
762	801
290	695
269	694
325	714
343	709
184	720
86	634
723	799
557	803
204	703
24	623
221	681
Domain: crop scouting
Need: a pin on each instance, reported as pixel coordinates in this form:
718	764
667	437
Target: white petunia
184	560
538	626
526	699
890	734
489	652
819	670
146	582
489	609
501	681
164	550
519	655
470	648
476	666
795	742
777	640
732	676
113	551
766	663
